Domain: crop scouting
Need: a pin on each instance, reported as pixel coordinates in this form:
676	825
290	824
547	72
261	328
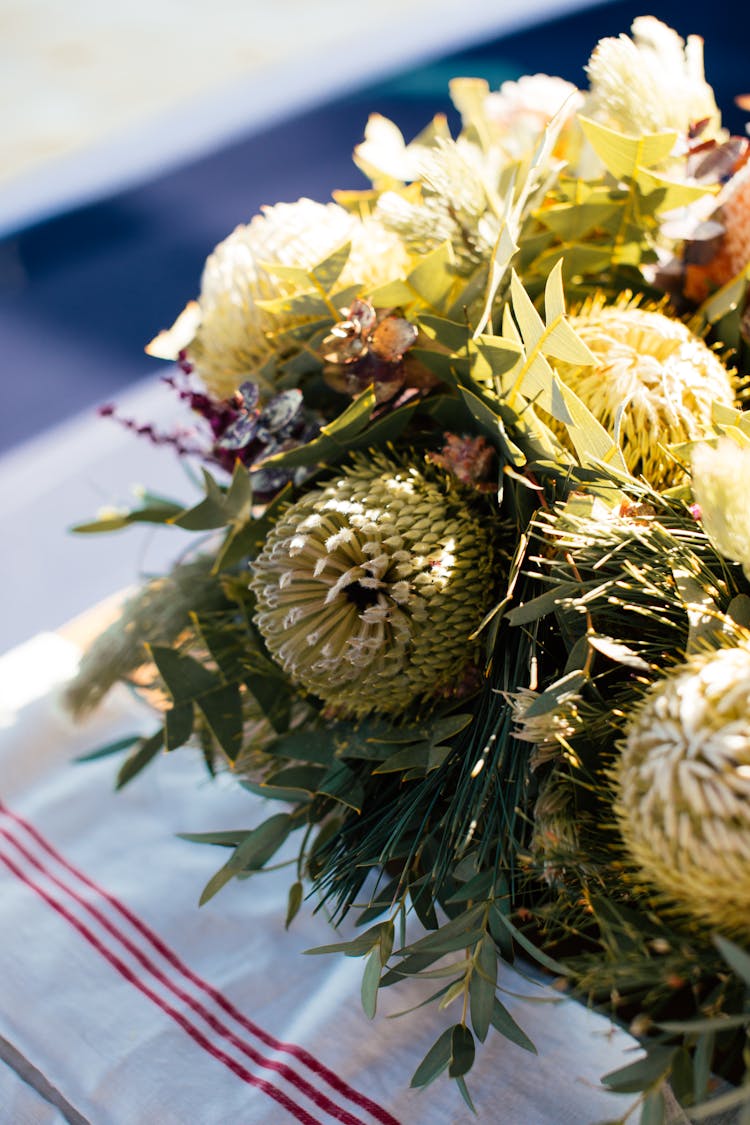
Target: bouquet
467	596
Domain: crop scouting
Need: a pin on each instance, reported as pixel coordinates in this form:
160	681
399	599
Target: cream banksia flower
369	587
224	334
683	788
652	373
721	487
652	83
520	111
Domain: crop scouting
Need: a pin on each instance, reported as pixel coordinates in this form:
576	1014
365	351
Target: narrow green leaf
218	880
433	279
460	927
482	988
207	515
536	954
328	271
622	154
732	1099
153	513
681	1076
293	904
357	947
477	887
464	1091
715	1024
503	1022
229	838
641	1074
334	440
253	851
306	779
735	957
387	935
110	748
702	1061
178	725
462	1051
370	983
620	653
313	746
342	784
654	1109
261	843
222	710
238	502
542	605
146	749
435	1061
184	677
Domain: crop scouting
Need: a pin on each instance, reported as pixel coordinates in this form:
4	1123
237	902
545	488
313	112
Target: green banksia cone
369	587
683	800
653	378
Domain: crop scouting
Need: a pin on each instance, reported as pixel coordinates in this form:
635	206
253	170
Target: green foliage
602	584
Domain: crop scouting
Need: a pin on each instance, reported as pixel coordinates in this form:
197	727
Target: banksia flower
369	587
721	482
653	369
454	204
224	336
683	788
652	83
520	111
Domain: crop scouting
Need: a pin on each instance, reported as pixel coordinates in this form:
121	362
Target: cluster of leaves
433	815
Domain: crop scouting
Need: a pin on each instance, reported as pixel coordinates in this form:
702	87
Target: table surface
122	1002
97	95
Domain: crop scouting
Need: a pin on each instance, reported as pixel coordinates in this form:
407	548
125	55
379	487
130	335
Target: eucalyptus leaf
462	1051
737	959
145	751
370	983
435	1061
642	1073
293	904
178	725
222	710
503	1022
653	1111
110	748
482	987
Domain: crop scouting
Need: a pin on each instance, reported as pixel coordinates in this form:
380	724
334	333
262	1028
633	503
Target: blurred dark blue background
82	293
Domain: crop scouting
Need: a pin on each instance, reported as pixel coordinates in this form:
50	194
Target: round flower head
721	487
652	83
520	111
683	800
226	334
369	587
653	377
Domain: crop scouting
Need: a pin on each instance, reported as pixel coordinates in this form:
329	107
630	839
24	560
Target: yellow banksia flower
652	83
369	587
683	788
653	377
721	488
226	333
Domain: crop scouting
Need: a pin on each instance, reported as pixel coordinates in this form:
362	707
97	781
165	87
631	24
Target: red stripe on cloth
195	1034
320	1099
303	1056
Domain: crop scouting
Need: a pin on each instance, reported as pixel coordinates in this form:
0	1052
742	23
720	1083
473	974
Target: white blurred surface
96	95
65	476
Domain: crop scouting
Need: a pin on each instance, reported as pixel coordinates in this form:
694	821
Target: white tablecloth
122	1003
